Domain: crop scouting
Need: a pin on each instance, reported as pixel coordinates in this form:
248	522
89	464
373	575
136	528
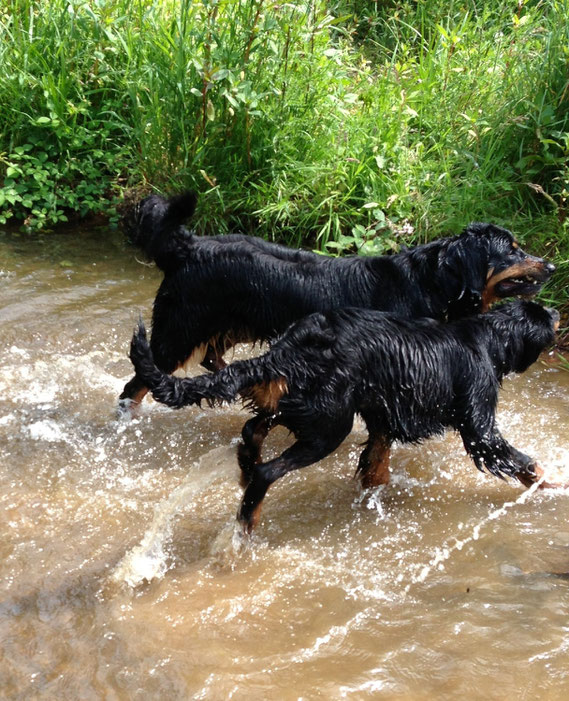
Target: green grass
339	125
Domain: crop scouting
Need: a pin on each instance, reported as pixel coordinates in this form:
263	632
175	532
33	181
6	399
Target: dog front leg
532	473
490	450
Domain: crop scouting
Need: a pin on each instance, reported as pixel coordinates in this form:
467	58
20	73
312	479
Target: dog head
487	264
152	221
511	271
524	330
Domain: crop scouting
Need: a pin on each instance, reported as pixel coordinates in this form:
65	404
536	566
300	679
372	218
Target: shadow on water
123	574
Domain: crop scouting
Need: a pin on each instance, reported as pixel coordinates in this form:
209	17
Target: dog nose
550	268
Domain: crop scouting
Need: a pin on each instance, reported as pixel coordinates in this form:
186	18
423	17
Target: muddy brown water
122	575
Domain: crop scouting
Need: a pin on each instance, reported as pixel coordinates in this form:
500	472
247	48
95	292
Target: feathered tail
223	386
180	208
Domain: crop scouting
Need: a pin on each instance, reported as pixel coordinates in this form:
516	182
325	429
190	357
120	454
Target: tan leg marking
378	461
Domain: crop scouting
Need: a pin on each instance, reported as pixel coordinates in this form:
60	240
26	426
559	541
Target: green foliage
43	191
61	148
347	126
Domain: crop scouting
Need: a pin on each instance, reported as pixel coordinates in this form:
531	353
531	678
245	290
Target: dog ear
470	302
465	267
180	208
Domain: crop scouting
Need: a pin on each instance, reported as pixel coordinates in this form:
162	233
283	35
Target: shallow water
122	575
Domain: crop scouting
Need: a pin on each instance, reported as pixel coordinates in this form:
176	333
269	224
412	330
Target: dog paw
126	409
550	481
539	476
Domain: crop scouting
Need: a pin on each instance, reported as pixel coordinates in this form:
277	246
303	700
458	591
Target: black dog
407	379
221	290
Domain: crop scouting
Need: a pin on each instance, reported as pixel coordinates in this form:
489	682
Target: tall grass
341	125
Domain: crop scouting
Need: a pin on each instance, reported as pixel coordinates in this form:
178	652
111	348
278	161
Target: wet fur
222	290
408	380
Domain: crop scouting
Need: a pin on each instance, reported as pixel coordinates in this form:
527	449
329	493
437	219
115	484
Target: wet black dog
407	379
221	290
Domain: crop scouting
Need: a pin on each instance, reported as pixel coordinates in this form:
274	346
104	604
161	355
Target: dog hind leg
306	451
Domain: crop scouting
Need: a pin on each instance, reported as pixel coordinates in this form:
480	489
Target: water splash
230	543
46	430
371	498
444	552
150	558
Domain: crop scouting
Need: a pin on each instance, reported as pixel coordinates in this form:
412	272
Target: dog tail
180	208
252	378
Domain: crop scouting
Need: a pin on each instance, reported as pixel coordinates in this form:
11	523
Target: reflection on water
122	573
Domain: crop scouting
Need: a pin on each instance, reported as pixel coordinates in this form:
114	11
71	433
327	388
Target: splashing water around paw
230	543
